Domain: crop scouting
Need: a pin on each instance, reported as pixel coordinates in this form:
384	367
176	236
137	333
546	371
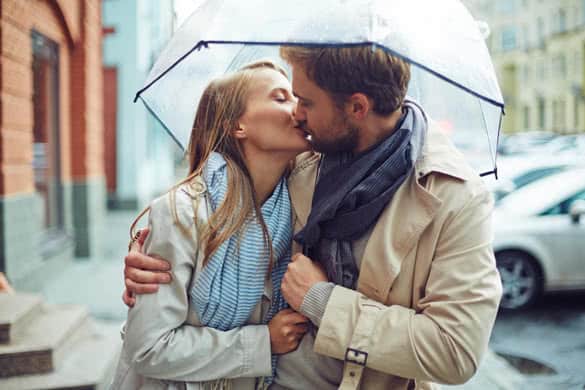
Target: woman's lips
306	135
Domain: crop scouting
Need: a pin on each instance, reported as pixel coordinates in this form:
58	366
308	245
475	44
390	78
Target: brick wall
76	27
26	251
86	94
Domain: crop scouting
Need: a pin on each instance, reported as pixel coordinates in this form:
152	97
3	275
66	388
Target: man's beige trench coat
428	288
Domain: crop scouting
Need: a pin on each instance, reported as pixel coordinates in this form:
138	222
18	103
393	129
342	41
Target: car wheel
521	279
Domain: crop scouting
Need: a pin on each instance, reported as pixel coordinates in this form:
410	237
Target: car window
534	175
563	207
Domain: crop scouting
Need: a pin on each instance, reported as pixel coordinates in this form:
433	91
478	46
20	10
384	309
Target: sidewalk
98	283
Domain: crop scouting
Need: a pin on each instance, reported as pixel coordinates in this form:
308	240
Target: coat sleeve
159	343
444	339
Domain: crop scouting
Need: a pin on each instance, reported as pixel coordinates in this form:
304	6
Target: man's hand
301	275
5	287
142	274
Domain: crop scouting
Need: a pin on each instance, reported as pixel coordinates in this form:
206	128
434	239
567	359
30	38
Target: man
398	273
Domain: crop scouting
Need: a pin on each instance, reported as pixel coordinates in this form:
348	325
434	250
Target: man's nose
299	113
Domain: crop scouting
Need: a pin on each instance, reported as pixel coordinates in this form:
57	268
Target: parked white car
539	238
506	186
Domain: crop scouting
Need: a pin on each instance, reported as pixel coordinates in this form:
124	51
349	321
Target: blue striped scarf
231	284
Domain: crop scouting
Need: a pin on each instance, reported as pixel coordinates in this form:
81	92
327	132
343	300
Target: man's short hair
343	71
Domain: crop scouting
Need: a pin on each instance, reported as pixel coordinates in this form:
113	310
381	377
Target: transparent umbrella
453	77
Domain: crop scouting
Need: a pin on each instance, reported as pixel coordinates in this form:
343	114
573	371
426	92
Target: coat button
352	374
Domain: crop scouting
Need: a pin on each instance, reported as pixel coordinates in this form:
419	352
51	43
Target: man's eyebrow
300	97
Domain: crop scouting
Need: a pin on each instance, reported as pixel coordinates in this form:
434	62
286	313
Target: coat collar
439	155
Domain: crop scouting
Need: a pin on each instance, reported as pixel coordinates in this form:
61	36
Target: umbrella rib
196	47
162	123
320	44
485	125
497	143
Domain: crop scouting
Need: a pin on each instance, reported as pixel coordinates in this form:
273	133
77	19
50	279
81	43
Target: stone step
88	364
39	347
16	311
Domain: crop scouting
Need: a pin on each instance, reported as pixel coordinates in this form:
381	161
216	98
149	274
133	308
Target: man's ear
358	106
240	132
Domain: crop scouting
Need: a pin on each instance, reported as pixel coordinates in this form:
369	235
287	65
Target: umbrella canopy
452	74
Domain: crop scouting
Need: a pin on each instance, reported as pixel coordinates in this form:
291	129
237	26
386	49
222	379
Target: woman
227	230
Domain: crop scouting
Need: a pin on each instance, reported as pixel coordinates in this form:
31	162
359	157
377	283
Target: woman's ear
240	132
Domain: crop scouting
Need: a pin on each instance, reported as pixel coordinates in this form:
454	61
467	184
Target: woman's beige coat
428	288
164	345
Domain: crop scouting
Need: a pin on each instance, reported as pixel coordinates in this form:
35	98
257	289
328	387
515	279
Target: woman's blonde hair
221	106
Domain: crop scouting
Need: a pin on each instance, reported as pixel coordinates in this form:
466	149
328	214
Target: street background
79	160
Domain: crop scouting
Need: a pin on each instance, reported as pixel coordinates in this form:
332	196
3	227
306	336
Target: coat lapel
395	234
409	213
301	185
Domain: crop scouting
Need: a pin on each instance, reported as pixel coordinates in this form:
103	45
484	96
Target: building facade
140	157
52	182
538	48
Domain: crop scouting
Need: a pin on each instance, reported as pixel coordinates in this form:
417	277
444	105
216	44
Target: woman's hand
286	329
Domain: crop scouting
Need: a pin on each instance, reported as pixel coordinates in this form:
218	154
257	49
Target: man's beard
345	142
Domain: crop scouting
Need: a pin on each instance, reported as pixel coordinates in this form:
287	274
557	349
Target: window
526	36
527	74
541	69
46	144
562	20
540	30
562	115
541	113
535	174
506	6
508	38
559	114
575	111
560	66
563	207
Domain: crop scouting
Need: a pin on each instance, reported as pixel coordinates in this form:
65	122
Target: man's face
320	117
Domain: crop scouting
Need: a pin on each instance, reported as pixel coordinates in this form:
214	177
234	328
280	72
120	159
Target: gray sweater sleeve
315	301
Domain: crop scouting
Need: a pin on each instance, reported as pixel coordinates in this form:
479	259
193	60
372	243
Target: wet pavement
552	334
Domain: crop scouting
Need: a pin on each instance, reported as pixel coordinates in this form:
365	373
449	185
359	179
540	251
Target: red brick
17	11
16	78
16	42
16	179
16	147
16	112
75	25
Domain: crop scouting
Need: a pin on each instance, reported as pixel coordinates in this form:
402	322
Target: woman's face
268	122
